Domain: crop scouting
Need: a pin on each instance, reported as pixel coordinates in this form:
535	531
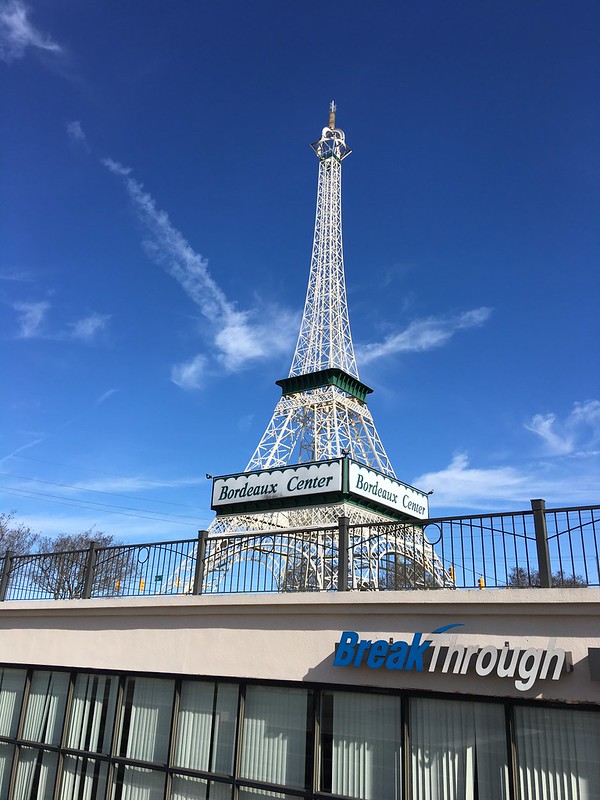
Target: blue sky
157	195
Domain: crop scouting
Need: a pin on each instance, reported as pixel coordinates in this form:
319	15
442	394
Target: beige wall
292	637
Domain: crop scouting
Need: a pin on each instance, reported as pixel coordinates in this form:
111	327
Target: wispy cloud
116	168
32	324
32	443
138	484
460	485
568	474
16	275
87	329
578	433
424	334
31	318
77	135
468	488
190	374
128	529
105	396
41	437
17	33
240	337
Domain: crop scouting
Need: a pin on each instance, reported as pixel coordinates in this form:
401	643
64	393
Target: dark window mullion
112	767
126	712
511	746
316	744
405	786
119	771
310	740
238	739
20	726
63	736
108	683
173	735
213	725
326	741
93	694
95	780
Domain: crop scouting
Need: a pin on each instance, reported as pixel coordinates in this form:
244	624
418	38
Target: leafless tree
520	578
15	536
60	567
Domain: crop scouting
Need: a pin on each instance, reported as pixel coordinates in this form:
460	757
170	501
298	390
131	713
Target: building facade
427	695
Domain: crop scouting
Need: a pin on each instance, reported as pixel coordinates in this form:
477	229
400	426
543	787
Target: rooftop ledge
493	602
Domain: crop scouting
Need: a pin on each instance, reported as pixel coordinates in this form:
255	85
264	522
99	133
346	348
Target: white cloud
17	33
77	135
31	318
543	426
115	167
88	329
17	275
20	449
240	337
423	334
244	338
104	396
190	374
499	488
577	433
458	484
128	529
568	475
137	484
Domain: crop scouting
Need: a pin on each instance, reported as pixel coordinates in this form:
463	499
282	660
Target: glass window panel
558	753
83	779
7	752
187	788
46	707
225	728
36	773
458	750
146	719
361	745
92	713
274	746
136	783
12	682
206	726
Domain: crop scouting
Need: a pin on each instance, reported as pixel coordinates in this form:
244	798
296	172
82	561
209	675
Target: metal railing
535	548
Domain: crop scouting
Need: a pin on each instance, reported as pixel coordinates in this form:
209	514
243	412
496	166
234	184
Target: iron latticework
321	415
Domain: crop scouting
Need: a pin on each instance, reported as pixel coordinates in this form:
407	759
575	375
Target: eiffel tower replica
322	415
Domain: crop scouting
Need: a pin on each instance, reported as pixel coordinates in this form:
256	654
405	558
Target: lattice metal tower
322	413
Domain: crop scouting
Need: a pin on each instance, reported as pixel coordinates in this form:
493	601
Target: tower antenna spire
332	110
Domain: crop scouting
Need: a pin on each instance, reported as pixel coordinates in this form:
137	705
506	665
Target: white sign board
288	482
387	491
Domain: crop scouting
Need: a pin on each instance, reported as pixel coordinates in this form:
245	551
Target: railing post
90	566
541	540
343	545
200	558
8	557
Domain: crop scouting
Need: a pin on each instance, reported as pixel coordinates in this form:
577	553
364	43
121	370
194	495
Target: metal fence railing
535	548
278	561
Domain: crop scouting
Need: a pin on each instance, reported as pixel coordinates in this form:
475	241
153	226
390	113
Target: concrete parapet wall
292	637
